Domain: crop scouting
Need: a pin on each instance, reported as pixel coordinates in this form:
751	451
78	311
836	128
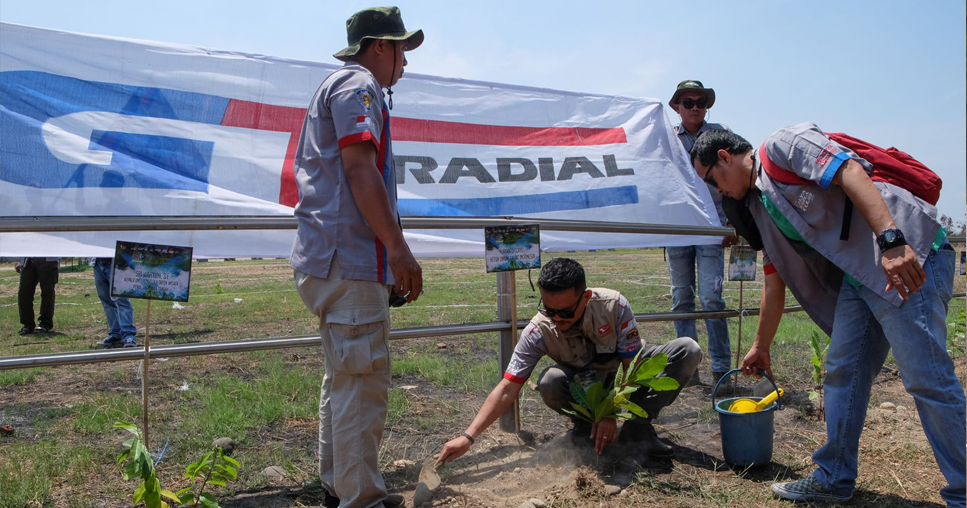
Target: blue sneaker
808	490
129	342
110	342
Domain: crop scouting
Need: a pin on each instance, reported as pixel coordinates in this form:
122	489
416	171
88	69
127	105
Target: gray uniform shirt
606	333
348	108
688	141
814	272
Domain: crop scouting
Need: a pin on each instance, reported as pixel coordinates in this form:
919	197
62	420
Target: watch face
889	236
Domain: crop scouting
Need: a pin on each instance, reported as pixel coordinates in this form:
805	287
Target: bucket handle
733	371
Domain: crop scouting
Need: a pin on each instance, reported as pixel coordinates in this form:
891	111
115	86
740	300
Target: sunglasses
689	103
562	313
708	175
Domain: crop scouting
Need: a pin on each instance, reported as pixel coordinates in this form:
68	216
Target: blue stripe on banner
29	98
519	205
154	162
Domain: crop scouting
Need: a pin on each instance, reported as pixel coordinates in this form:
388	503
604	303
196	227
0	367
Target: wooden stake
144	375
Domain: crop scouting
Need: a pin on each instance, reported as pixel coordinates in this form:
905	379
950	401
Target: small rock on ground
227	445
612	490
274	473
538	503
888	405
422	495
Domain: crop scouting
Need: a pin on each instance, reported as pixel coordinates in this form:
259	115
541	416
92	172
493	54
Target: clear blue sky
892	72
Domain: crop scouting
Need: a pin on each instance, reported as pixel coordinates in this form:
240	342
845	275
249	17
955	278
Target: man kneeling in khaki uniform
587	332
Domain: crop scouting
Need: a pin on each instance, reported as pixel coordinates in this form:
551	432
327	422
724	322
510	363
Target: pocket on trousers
360	347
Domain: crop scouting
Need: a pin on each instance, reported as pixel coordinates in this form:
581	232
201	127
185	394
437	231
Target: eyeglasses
689	103
708	175
562	313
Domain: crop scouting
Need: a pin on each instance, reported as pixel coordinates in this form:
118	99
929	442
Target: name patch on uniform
826	154
805	197
364	121
604	329
365	99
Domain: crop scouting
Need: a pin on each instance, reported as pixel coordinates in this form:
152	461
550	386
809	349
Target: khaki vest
590	343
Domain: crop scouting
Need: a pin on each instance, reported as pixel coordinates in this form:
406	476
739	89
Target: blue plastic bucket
746	437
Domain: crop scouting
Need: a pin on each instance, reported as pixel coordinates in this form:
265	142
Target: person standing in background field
119	313
34	272
349	252
692	101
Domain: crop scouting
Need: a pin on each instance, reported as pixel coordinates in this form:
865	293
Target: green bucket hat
693	85
377	23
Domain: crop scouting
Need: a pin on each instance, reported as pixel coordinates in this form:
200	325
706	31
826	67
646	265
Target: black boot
580	434
640	432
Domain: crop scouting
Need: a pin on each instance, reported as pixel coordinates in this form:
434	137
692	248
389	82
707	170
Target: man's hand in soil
903	271
454	449
604	433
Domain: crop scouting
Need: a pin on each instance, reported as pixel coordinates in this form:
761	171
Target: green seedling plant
595	403
140	466
956	333
819	346
214	468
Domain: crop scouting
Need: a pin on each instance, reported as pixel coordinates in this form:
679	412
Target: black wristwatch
889	239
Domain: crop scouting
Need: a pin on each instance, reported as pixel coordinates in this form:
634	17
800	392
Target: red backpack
889	165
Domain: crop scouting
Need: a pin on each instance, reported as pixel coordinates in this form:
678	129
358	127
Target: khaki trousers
354	324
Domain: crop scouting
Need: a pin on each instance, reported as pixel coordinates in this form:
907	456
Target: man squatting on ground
587	332
692	101
885	286
349	251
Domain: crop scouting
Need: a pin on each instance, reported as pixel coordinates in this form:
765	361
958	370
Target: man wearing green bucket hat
874	280
350	254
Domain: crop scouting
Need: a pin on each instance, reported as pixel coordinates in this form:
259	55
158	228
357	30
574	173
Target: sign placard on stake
511	248
742	262
152	272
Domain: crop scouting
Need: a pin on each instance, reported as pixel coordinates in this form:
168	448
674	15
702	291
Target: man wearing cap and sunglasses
691	101
349	251
588	332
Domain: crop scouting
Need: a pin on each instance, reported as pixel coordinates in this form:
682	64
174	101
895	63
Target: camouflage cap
693	85
377	23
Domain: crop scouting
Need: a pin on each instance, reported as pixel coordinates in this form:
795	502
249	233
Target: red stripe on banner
268	117
435	131
514	379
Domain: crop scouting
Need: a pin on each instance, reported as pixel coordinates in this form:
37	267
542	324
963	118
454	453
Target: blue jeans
711	269
118	311
865	327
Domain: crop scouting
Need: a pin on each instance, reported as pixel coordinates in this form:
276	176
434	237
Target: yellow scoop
751	406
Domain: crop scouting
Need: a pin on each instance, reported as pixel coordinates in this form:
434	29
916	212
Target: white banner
95	125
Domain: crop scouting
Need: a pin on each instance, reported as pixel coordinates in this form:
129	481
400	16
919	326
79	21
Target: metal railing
507	325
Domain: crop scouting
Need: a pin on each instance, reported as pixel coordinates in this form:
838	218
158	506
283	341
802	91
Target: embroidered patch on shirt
604	329
365	99
364	122
624	326
633	334
805	197
826	154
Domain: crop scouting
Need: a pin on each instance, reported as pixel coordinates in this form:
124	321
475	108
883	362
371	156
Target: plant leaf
138	494
228	469
623	416
595	393
651	368
619	376
577	391
171	495
662	384
128	426
636	410
581	409
813	395
231	461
